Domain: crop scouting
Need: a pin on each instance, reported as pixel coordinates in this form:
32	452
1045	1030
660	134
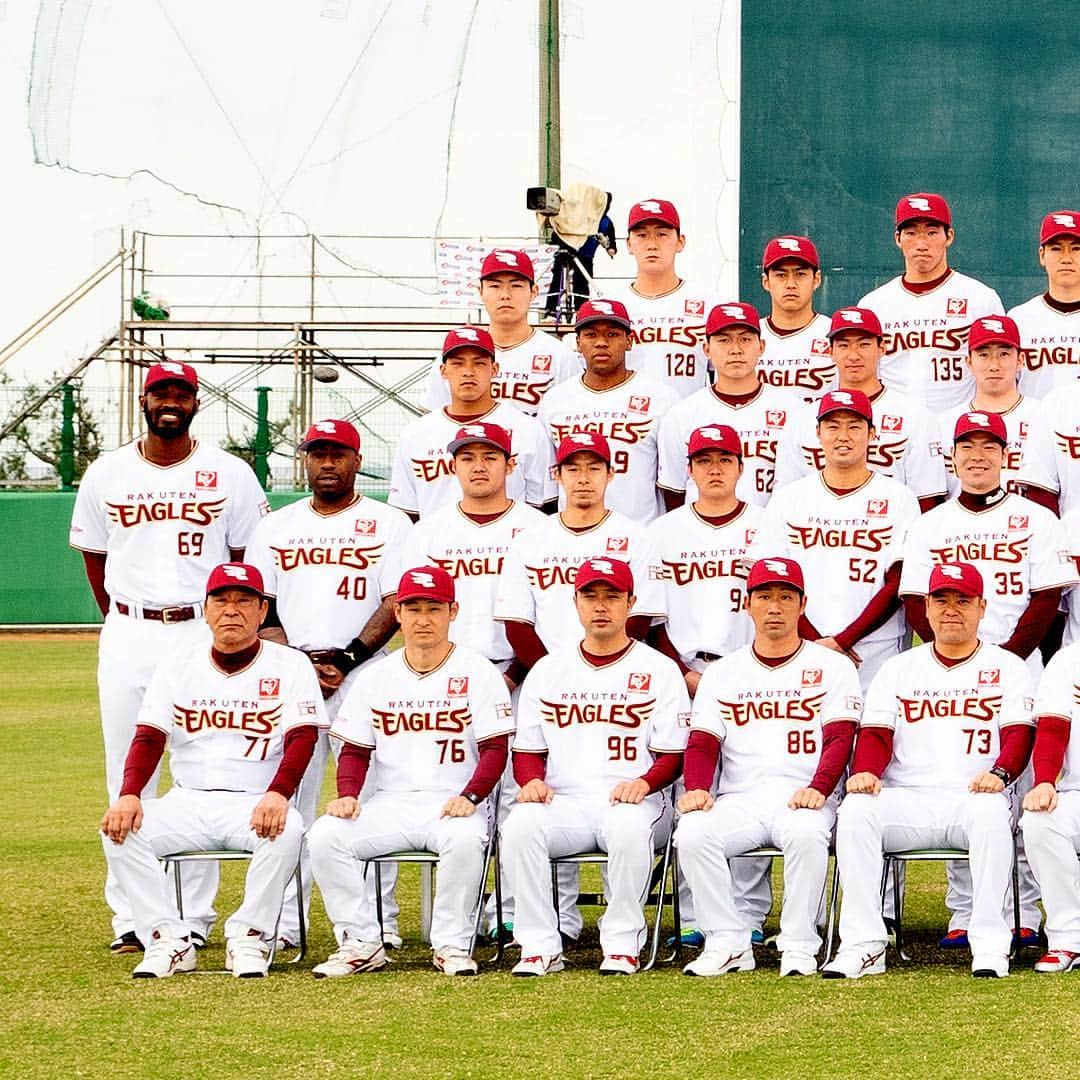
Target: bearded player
530	361
434	718
601	731
945	730
779	717
235	766
152	519
927	310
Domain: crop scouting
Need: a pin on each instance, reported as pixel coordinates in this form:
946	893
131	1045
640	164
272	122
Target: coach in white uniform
945	729
152	519
240	717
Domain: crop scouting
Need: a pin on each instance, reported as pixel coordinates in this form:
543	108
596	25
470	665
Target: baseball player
994	362
601	731
420	480
1051	823
668	312
738	398
1070	524
846	526
945	729
906	443
796	356
435	720
530	361
1048	323
152	519
779	715
624	406
240	717
330	564
926	311
1061	411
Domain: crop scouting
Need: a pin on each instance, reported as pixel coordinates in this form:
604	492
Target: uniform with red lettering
1061	415
240	717
927	310
421	481
530	361
1070	525
945	729
152	519
624	406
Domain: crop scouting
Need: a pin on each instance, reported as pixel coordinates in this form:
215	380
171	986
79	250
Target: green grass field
69	1008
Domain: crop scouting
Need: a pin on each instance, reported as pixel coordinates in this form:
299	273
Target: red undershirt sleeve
699	763
807	630
1051	740
1016	742
876	613
637	626
837	740
529	767
147	746
490	767
915	610
1031	627
659	639
352	769
928	502
1039	495
295	757
526	643
665	770
873	750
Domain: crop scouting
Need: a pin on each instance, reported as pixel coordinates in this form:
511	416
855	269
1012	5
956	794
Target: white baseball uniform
668	339
1061	410
162	530
770	721
926	336
907	446
1052	838
598	725
945	721
527	371
1070	524
226	735
1051	346
760	423
702	568
421	481
798	361
628	416
423	729
537	584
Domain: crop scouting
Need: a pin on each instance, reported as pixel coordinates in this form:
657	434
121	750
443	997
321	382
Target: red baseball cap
612	571
612	311
1059	223
986	423
790	247
587	442
846	400
426	583
171	371
507	261
339	432
715	437
923	205
485	434
468	337
855	318
775	571
962	577
654	210
993	329
734	314
234	575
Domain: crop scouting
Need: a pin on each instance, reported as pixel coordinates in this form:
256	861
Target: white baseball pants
390	821
188	820
537	832
1052	839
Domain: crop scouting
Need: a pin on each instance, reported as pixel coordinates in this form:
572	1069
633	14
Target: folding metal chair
176	860
665	867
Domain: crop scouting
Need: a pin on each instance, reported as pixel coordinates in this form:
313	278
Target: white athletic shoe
855	963
1057	960
454	962
352	958
247	957
720	962
164	957
620	965
797	963
989	966
538	965
392	939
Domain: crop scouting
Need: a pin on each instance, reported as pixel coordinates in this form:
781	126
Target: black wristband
1001	774
356	653
475	799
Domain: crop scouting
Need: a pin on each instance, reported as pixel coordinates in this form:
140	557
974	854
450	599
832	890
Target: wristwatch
1001	774
475	799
